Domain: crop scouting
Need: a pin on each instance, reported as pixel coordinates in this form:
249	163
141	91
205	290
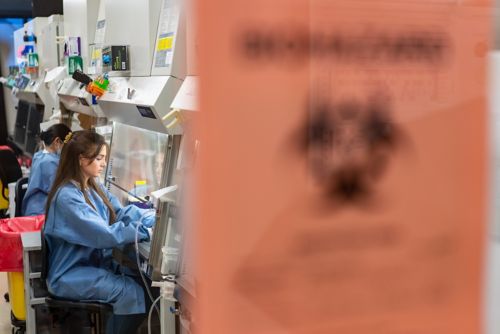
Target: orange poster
342	166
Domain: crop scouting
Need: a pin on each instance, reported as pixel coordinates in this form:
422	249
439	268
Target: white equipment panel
45	46
50	52
95	48
170	47
77	99
18	41
494	124
187	97
140	101
133	23
80	21
35	92
35	27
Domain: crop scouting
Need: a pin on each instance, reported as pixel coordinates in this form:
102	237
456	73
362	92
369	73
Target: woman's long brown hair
86	144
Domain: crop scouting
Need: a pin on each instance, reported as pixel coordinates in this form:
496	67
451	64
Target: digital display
83	101
22	82
146	112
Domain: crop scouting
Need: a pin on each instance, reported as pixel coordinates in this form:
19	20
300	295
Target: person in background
43	169
84	222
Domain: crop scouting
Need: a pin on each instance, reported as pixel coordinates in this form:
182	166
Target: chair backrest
10	171
21	187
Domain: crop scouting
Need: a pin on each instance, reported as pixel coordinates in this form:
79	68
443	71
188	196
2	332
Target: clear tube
151	311
139	264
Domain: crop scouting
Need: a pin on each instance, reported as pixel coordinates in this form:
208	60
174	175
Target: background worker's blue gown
43	173
80	242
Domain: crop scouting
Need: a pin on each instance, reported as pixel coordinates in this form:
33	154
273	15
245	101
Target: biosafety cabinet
185	104
142	48
81	19
150	38
81	24
142	94
37	53
75	98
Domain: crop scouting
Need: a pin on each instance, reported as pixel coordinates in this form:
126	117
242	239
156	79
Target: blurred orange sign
343	166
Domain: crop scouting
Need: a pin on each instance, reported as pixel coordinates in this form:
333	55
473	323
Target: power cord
151	311
139	266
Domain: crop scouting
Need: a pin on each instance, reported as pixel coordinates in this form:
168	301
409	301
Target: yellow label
96	54
165	43
140	182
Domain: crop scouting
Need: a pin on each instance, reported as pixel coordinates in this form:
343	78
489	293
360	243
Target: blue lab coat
80	242
43	172
37	155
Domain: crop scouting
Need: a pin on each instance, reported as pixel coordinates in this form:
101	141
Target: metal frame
31	242
161	227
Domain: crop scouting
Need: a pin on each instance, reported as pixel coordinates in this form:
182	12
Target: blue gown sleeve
129	213
78	223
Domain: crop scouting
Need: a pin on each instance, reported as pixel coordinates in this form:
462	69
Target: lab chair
10	171
70	316
21	187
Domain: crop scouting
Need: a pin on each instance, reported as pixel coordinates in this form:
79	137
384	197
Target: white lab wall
133	23
80	18
50	50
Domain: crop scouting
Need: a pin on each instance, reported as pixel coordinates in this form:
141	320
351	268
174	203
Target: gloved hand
148	218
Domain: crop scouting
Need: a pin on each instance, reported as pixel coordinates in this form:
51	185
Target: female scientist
43	170
83	223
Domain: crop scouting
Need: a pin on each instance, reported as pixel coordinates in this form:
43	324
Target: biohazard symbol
349	145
